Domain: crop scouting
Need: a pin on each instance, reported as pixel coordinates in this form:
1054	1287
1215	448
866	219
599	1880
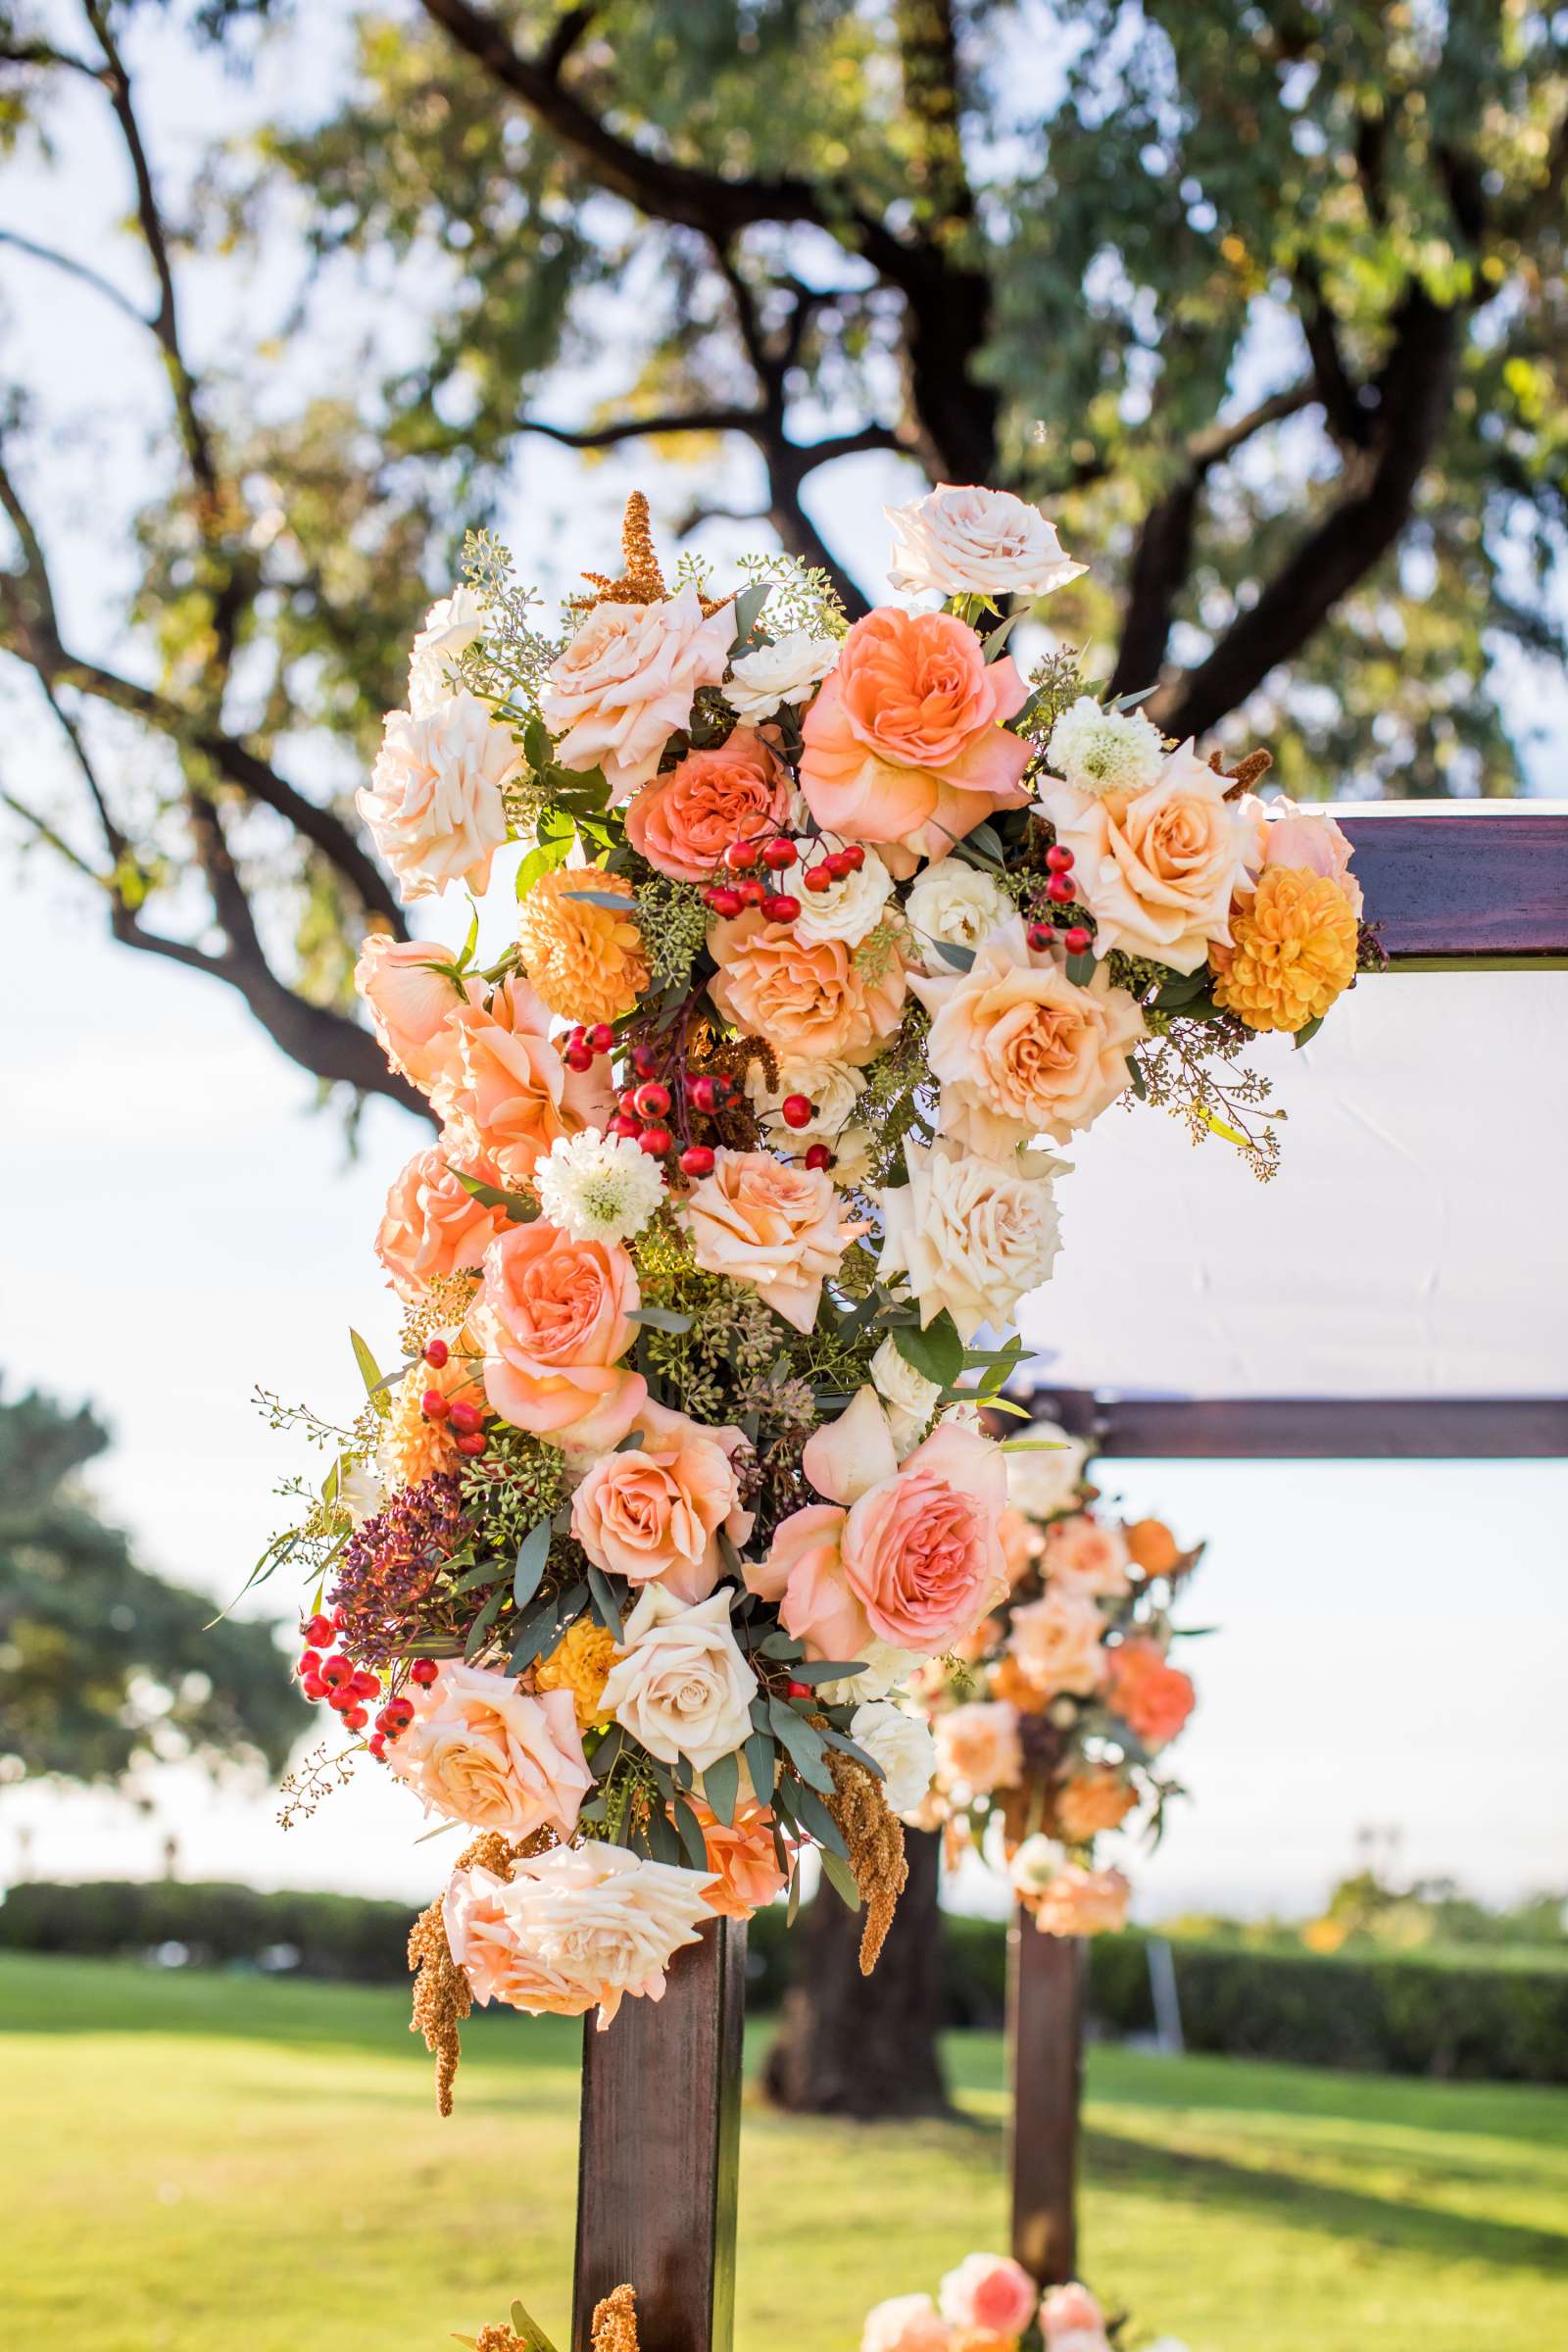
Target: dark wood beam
1046	1994
1464	890
1292	1429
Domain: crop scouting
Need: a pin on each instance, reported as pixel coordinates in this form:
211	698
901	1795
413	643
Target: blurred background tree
104	1668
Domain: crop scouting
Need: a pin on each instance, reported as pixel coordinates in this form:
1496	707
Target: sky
180	1226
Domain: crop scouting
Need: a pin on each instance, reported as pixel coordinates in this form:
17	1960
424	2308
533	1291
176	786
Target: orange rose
903	744
652	1514
512	1086
758	1220
1090	1801
552	1316
432	1225
802	998
742	1857
1153	1697
683	822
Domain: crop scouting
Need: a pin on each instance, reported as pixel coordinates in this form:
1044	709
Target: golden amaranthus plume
875	1839
442	1997
642	582
614	2322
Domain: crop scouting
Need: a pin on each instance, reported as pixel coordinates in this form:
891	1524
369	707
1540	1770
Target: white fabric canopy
1414	1242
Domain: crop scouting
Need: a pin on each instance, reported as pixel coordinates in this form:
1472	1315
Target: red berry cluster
349	1690
580	1047
645	1107
464	1420
1061	891
777	852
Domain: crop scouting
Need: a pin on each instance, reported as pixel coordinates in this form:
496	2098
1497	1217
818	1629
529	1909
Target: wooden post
1046	1977
657	2162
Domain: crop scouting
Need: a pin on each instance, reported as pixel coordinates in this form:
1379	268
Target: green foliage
103	1666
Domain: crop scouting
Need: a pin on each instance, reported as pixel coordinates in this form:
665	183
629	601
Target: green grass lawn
206	2160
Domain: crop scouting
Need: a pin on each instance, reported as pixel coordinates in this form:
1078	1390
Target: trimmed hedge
1394	2015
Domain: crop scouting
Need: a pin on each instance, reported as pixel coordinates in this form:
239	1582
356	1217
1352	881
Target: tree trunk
866	2046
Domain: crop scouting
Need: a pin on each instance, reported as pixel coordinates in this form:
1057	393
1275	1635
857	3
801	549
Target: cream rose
909	1398
450	628
901	1743
957	906
626	683
971	1235
481	1752
1035	1863
1157	870
1044	1471
1087	1555
977	1746
681	1686
832	1087
433	803
1058	1643
883	1668
850	908
578	1927
1022	1051
906	2324
785	671
976	542
779	1228
652	1512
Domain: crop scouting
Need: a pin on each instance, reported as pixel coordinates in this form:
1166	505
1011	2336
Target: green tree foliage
1265	301
103	1666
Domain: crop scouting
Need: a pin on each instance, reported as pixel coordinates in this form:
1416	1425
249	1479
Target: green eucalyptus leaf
721	1781
528	1571
841	1879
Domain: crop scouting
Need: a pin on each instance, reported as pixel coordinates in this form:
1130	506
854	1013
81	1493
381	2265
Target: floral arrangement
822	932
1051	1719
990	2304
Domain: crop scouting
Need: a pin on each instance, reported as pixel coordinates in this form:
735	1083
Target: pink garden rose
433	803
906	2324
553	1318
653	1513
780	1228
1070	2310
1058	1643
627	681
414	1009
683	821
481	1752
432	1225
1084	1554
905	742
1307	840
990	2291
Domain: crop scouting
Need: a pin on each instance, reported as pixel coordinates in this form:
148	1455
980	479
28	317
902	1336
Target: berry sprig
1061	891
349	1690
777	852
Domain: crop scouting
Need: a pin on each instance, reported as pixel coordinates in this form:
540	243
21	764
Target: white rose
784	671
971	1235
884	1668
833	1086
1034	1865
910	1398
955	903
902	1745
1043	1475
450	628
850	908
681	1686
975	542
362	1491
433	803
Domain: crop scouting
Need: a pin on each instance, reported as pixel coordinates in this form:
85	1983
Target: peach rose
682	822
512	1085
432	1225
587	1923
653	1513
1020	1540
803	1575
1058	1644
1092	1800
1070	2310
743	1858
413	1007
1021	1050
805	999
552	1316
905	742
482	1751
1153	1697
990	2291
1313	841
1085	1555
433	803
977	1745
1081	1902
776	1227
906	2324
1157	870
627	681
477	1909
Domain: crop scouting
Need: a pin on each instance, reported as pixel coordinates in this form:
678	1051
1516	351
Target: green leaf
488	1572
369	1373
826	1670
528	1573
484	1622
663	1842
660	1318
542	860
1229	1135
520	1208
538	748
801	1744
1134	1072
814	1815
1081	968
690	1832
533	2335
761	1762
988	841
747	605
960	958
721	1781
996	642
613	899
601	1593
841	1879
1183	990
1307	1031
936	1351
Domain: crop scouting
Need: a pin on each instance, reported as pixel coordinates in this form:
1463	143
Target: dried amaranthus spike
442	1997
614	2322
875	1839
642	582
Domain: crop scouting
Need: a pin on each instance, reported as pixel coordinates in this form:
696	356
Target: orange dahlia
579	1663
1091	1802
585	960
1292	950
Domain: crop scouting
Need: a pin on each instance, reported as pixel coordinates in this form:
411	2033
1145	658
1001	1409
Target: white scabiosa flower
1098	751
850	908
1037	1861
598	1188
902	1745
956	905
450	628
833	1086
910	1398
785	671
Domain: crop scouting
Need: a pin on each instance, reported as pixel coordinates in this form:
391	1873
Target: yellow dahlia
580	1664
586	961
1292	950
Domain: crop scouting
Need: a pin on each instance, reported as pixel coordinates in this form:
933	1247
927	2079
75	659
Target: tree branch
80	270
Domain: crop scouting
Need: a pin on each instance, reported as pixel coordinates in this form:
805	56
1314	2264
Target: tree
1265	300
103	1666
